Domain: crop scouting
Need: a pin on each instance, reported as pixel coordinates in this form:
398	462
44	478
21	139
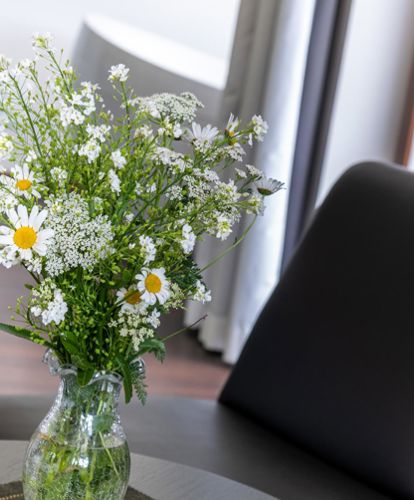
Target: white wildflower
25	181
256	205
118	73
24	237
223	227
153	285
91	150
69	114
153	318
202	137
132	324
266	186
79	240
6	147
241	174
260	127
189	239
114	181
177	108
47	301
59	175
148	250
202	294
131	300
98	132
118	160
43	41
254	171
144	132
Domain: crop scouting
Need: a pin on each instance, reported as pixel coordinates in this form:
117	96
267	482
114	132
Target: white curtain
266	75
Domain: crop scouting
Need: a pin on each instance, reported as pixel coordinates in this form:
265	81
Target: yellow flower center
133	298
153	283
25	237
23	184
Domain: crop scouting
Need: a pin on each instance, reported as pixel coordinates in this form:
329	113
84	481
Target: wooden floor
187	371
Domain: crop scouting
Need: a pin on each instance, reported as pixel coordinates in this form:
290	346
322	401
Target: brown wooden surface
188	370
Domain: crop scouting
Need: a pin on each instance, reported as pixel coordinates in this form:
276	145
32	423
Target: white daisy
231	128
25	179
267	186
26	236
132	300
203	134
153	285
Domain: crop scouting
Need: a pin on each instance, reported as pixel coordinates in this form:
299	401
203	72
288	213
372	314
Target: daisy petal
45	234
6	240
23	215
33	215
14	218
40	219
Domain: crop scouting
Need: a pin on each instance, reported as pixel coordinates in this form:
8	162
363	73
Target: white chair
157	64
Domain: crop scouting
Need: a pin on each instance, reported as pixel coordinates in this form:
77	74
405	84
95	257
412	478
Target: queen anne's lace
79	240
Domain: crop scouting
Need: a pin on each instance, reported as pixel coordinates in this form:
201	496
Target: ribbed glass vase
79	450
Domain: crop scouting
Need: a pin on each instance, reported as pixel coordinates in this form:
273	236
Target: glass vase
79	450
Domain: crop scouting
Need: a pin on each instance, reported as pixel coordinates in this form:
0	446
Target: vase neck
99	396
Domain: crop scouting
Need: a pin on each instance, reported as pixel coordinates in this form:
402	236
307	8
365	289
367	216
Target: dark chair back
330	362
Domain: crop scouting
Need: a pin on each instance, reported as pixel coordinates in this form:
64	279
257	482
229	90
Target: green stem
230	248
171	335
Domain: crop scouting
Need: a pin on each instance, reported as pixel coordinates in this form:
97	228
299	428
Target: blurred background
333	78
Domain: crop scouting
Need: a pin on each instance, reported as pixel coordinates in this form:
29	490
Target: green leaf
84	376
126	373
154	346
23	333
140	387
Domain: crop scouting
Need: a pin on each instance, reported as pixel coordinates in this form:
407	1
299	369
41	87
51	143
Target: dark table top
159	479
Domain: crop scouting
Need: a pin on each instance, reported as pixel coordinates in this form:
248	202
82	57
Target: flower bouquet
103	212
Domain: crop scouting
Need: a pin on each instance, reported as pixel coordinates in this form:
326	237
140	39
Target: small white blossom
202	137
114	181
59	175
260	127
91	150
98	132
143	132
241	174
118	160
223	228
254	171
148	250
202	294
189	239
118	73
153	318
6	147
47	301
43	41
